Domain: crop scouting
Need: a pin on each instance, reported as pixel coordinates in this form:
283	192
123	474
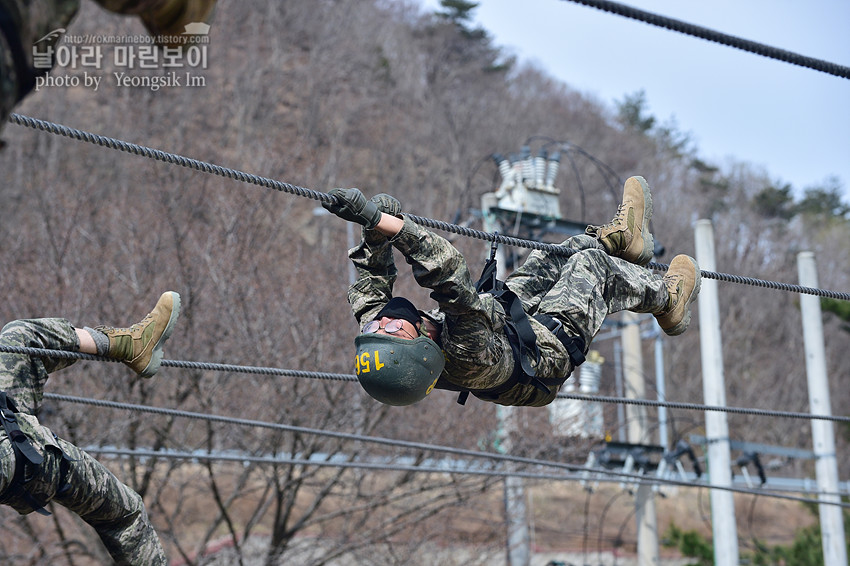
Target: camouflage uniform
580	291
114	510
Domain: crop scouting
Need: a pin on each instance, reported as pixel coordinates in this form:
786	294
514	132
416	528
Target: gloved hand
354	207
388	205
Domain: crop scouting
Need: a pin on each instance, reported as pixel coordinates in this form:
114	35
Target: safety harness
27	458
521	338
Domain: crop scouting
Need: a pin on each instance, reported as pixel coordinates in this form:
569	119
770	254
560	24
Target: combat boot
627	236
170	18
683	282
166	20
140	346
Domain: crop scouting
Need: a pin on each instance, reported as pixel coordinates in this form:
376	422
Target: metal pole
516	514
647	521
618	379
823	432
724	526
661	389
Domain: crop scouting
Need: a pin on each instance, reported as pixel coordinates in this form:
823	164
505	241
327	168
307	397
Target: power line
405	443
429	469
175	159
699	407
717	37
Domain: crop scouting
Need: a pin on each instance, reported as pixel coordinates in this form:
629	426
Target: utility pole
661	389
647	521
723	522
823	433
516	512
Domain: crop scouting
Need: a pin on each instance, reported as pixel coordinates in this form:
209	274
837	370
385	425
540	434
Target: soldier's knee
582	242
13	332
590	255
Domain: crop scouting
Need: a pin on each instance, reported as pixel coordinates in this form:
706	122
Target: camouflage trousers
580	291
584	288
81	484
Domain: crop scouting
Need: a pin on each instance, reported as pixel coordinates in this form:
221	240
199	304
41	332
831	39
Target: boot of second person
140	346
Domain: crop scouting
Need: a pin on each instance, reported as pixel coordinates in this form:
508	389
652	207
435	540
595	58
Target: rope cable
717	37
209	366
203	166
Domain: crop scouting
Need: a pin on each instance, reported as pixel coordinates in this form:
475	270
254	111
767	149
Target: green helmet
397	371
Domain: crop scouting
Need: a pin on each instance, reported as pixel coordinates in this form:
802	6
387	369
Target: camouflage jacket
478	354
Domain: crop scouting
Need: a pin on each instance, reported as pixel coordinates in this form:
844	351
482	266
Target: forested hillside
377	95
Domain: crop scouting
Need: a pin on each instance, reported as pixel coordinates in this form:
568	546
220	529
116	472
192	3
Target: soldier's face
398	327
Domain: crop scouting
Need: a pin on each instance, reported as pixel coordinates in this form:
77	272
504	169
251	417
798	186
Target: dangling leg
23	376
140	345
114	510
542	270
594	285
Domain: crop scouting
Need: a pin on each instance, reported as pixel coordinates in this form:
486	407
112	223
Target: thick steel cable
184	364
174	159
717	37
209	366
405	444
648	480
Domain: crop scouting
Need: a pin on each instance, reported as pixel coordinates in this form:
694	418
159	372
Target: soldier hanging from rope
37	467
23	23
513	342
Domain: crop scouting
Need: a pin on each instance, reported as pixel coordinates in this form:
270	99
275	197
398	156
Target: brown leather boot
683	283
627	236
140	346
165	18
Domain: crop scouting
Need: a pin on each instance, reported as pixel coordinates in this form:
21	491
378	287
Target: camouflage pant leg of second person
115	511
593	285
23	376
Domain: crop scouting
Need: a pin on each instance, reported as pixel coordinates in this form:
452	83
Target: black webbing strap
26	455
520	335
574	344
20	441
517	322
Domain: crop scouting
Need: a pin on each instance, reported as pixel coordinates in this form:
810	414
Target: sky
792	121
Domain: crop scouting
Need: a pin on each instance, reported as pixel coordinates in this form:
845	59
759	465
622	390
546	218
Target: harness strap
20	441
27	458
521	337
574	344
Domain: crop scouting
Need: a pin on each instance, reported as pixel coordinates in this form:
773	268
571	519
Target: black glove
388	205
354	207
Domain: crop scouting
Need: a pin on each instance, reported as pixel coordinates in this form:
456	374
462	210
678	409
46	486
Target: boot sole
686	320
156	354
